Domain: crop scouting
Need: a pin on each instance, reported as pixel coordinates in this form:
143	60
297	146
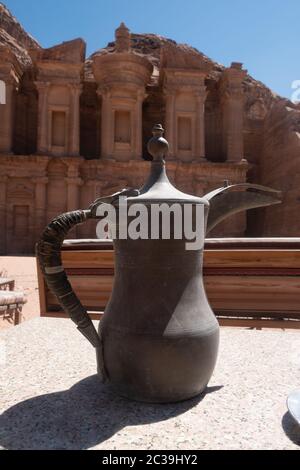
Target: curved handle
48	252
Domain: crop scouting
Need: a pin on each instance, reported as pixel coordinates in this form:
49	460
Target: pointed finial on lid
158	130
158	146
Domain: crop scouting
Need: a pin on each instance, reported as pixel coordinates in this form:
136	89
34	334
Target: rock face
280	167
74	128
15	37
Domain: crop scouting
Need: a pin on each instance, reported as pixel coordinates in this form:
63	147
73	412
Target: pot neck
157	175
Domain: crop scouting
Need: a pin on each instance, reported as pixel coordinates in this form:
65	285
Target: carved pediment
53	71
183	67
180	56
183	79
20	191
71	52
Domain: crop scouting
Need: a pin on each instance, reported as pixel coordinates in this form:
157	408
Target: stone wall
37	188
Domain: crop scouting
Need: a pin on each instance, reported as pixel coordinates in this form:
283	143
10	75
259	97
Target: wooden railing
249	282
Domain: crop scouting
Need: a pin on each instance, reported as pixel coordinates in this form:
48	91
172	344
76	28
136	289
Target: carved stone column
6	120
73	192
233	125
73	183
43	144
170	120
138	125
74	149
232	100
40	204
3	187
200	123
87	230
106	122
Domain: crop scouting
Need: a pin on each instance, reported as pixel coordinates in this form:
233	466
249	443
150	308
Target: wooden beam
229	322
258	324
250	284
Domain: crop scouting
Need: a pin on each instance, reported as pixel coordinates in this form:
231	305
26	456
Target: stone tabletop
52	399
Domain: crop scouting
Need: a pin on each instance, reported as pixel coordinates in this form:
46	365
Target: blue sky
264	34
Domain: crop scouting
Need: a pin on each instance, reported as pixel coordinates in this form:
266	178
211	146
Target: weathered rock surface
13	35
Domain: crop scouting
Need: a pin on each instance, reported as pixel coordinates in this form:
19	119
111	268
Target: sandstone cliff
13	35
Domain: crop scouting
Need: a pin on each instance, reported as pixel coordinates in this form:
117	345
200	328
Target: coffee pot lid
158	187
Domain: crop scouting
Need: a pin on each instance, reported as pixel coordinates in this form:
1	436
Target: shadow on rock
79	418
291	428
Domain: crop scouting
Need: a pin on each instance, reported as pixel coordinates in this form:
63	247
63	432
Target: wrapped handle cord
49	255
48	251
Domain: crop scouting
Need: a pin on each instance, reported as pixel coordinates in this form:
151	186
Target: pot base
159	369
158	400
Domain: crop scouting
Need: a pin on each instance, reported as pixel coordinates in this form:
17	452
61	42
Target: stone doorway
19	236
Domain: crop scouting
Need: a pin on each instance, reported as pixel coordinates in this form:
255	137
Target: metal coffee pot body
158	339
160	336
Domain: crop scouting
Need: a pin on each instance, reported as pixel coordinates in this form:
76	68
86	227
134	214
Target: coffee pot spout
231	199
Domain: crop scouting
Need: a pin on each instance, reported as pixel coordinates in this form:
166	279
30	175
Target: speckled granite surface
51	399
